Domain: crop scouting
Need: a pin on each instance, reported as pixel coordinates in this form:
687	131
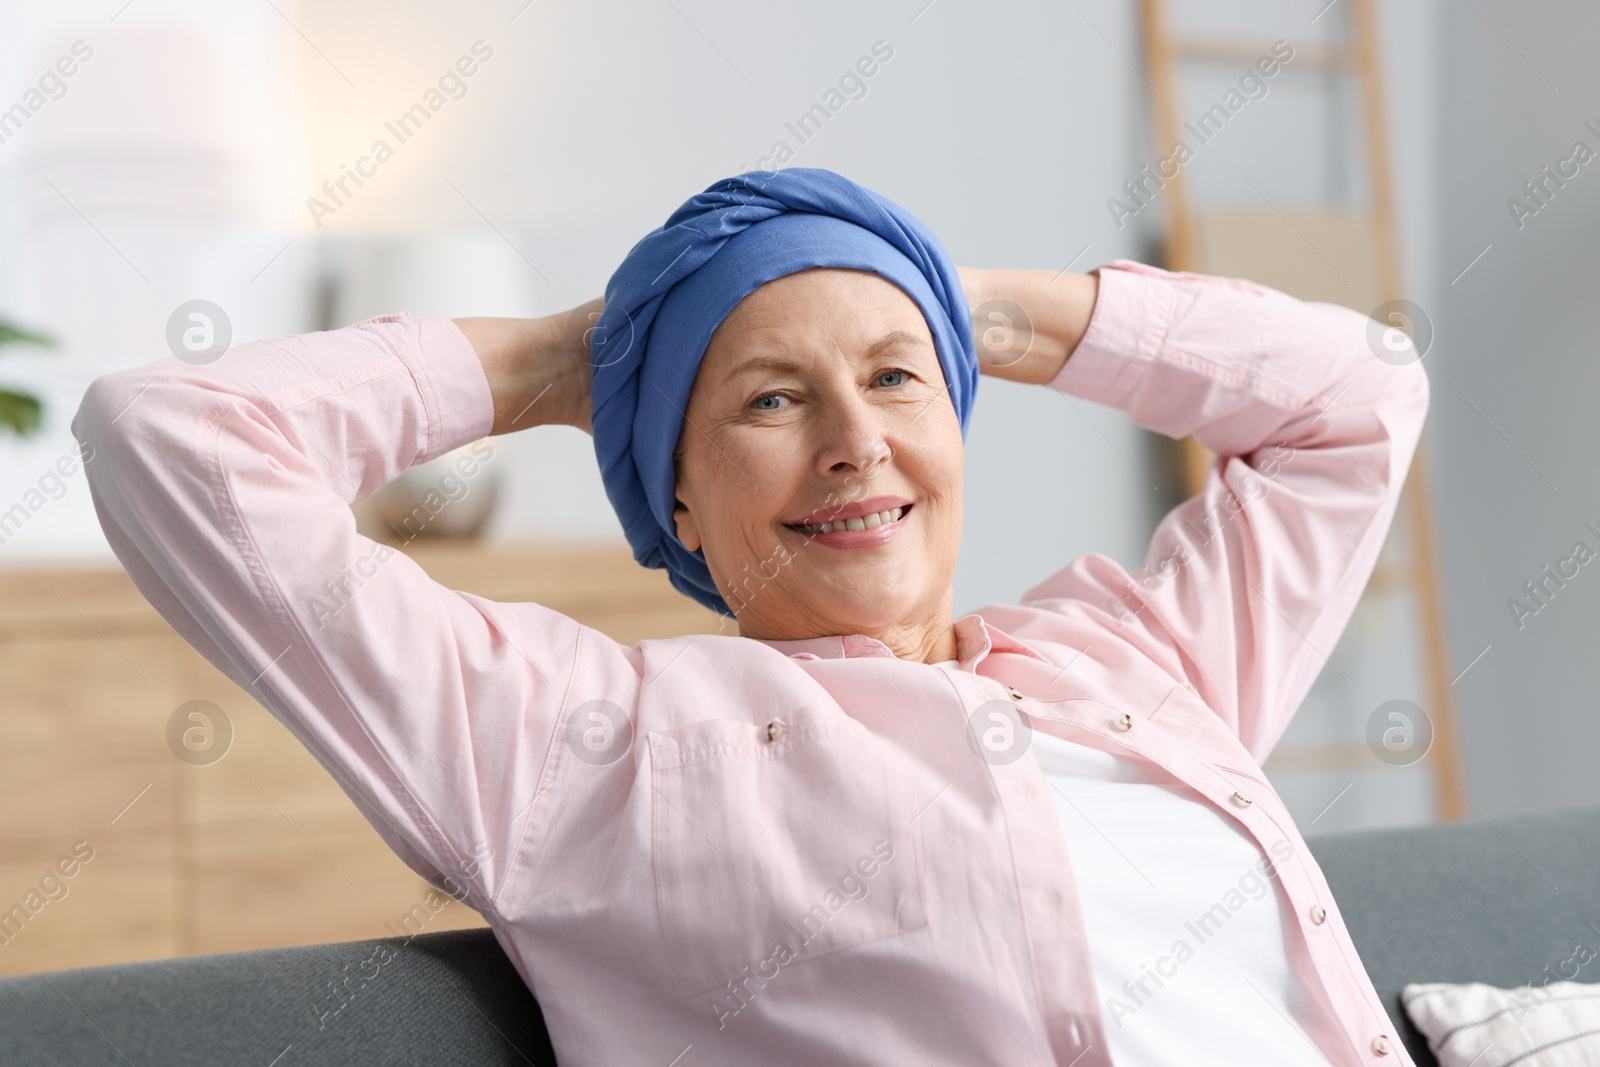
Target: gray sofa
1503	903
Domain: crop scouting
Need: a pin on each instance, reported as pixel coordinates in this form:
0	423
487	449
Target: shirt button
1190	687
775	729
1319	914
1013	693
1123	722
1242	799
1380	1045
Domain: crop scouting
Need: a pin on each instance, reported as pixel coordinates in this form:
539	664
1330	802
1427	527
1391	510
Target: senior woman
857	831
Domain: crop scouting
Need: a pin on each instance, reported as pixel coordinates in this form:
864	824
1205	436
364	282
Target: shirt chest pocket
779	842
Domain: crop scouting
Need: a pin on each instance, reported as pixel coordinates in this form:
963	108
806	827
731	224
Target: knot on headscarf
682	279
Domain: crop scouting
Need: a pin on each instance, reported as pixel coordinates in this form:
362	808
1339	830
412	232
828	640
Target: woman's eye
890	373
760	403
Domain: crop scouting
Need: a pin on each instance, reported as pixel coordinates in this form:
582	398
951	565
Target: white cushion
1552	1025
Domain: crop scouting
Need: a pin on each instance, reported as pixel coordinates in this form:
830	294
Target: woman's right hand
539	370
1027	323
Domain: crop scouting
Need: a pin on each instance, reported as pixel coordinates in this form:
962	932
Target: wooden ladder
1289	251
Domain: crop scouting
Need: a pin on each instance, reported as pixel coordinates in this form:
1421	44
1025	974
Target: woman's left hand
1026	323
525	359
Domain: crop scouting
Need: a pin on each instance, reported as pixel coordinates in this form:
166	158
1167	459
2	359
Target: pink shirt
790	852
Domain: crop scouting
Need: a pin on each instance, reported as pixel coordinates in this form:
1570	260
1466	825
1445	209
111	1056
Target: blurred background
175	174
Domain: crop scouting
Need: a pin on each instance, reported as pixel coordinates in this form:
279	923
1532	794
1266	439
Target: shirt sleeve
1247	586
224	489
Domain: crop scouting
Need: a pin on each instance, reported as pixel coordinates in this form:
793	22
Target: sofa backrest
449	997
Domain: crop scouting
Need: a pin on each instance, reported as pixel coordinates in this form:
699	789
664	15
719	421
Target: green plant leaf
10	334
20	413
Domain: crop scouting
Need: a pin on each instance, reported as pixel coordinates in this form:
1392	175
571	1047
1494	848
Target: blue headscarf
682	279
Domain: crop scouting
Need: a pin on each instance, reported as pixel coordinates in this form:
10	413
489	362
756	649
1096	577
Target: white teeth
877	518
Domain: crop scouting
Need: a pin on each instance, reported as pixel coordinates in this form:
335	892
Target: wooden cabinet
257	849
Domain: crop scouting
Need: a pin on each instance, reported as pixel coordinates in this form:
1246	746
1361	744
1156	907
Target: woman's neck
933	643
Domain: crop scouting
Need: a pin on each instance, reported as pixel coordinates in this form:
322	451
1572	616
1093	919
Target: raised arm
1247	586
538	370
224	491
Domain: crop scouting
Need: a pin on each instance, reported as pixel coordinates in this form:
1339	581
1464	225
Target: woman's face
820	399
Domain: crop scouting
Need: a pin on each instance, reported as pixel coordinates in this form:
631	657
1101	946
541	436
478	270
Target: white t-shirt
1151	858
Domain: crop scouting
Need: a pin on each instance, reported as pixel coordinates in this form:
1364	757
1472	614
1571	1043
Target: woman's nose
855	440
878	454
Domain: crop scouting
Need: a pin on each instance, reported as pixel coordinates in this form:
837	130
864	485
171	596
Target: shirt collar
975	639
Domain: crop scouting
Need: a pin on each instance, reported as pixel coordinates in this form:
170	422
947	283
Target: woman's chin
872	580
857	603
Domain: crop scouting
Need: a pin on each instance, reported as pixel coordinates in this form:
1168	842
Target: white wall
158	176
1005	126
606	118
1003	129
1516	390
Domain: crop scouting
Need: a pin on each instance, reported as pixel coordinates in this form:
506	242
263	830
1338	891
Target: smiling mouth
864	522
